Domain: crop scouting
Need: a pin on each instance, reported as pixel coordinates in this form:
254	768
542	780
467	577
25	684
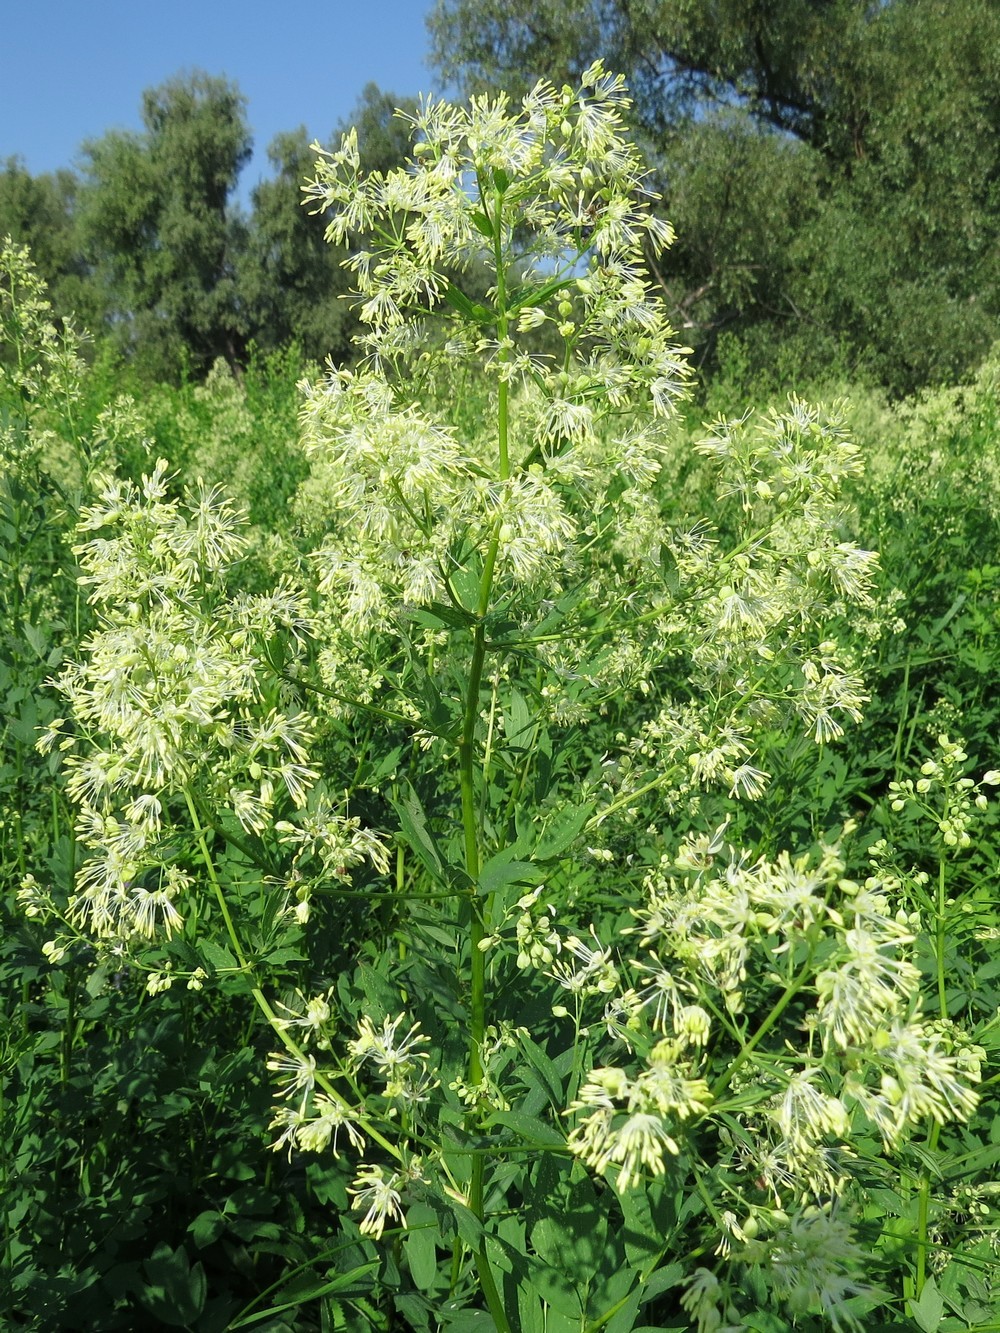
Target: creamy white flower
379	1196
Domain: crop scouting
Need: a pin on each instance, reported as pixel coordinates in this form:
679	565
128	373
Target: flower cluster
723	935
942	793
560	165
314	1111
742	612
626	1121
328	845
44	370
171	705
807	1263
549	200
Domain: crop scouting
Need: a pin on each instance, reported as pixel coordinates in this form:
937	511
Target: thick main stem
502	331
470	817
470	826
940	935
479	925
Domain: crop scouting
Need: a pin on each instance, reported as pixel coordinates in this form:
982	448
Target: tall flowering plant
591	1039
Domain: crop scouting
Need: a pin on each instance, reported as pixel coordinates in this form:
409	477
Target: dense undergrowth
628	888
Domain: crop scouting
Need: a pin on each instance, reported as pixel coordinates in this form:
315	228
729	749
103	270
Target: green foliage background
833	190
138	1187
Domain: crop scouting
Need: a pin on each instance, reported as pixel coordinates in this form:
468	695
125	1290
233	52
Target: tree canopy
150	247
831	166
37	211
157	228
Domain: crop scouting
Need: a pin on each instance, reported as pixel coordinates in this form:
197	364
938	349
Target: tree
292	281
37	211
151	252
855	144
159	228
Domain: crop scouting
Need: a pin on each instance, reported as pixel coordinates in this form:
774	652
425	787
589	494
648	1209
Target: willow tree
832	167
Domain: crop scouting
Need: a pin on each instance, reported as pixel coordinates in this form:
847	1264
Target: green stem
280	1031
784	1000
941	932
503	389
901	728
623	802
6	1118
213	878
233	839
346	699
643	1277
471	816
923	1215
478	931
66	1045
388	895
488	1284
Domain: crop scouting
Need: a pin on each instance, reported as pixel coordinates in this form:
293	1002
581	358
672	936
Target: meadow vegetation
503	835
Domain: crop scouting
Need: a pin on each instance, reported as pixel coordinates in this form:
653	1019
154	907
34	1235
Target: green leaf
530	1309
671	1275
557	1322
421	1242
175	1291
563	830
555	1288
548	1075
457	299
529	1127
501	870
760	1321
276	651
470	1229
467	1321
25	726
623	1320
641	1235
207	1227
482	224
539	295
440	613
465	583
413	825
97	980
382	997
929	1309
560	1294
385	768
341	1282
438	716
284	954
38	638
518	720
669	570
217	956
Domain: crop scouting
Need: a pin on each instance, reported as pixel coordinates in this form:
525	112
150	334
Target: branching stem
261	1000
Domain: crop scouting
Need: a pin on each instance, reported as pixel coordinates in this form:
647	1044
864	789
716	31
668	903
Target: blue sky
71	70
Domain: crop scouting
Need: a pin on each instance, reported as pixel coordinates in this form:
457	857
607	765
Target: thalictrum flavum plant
591	1054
